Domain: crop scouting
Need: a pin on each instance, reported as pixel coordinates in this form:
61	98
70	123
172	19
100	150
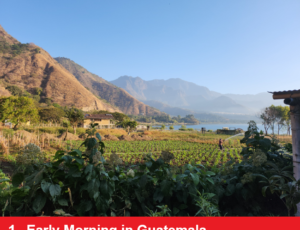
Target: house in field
9	124
105	121
141	127
292	98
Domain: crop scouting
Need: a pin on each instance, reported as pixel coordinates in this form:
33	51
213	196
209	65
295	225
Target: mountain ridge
106	90
28	67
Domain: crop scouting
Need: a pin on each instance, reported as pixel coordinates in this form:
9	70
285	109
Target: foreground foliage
85	184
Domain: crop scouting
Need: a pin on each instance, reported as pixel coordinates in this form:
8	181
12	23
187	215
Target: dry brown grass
70	137
284	138
4	144
115	132
125	138
110	137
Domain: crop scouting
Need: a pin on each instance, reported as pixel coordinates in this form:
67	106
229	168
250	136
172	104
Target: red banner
148	223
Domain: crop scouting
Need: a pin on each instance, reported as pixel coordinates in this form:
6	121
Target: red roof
99	116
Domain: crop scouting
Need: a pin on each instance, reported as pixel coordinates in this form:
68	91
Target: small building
8	124
141	127
105	121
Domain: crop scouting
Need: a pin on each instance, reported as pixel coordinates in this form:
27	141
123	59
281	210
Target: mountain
188	88
173	111
145	90
180	94
256	101
107	91
29	67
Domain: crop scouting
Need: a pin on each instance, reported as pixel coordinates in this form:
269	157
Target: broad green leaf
210	173
148	164
17	179
166	187
54	190
98	136
210	180
45	186
39	202
283	196
63	202
175	211
264	189
195	178
143	180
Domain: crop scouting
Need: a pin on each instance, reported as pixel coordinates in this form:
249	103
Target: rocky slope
107	91
29	67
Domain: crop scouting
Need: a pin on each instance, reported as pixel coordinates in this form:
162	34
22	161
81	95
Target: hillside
109	92
29	67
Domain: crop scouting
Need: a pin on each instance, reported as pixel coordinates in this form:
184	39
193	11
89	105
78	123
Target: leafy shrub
31	155
14	90
84	184
289	147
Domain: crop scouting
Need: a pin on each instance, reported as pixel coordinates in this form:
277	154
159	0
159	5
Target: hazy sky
228	46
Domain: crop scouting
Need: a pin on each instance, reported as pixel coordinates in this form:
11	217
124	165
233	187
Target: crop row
208	157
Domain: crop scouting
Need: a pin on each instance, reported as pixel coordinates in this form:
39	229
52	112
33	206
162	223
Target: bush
260	185
190	129
182	129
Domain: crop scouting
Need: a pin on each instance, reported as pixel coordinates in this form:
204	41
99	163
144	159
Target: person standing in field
221	144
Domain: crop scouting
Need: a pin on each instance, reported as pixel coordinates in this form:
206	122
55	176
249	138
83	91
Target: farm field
184	152
187	147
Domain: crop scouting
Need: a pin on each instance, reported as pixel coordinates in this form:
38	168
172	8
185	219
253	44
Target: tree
162	127
273	116
287	119
48	101
280	117
171	127
38	91
266	121
75	116
14	90
130	124
18	110
120	117
51	114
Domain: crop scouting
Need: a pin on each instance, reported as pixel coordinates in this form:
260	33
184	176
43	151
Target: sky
232	46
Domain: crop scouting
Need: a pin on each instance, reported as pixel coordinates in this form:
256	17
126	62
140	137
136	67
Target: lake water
214	127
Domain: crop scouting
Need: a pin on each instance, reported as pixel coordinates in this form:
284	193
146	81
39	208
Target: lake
214	127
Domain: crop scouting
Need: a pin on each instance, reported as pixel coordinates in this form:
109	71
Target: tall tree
266	121
51	114
75	116
287	118
273	116
280	117
18	110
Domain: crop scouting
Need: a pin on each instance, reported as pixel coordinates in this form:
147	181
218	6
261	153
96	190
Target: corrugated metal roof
98	116
286	91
